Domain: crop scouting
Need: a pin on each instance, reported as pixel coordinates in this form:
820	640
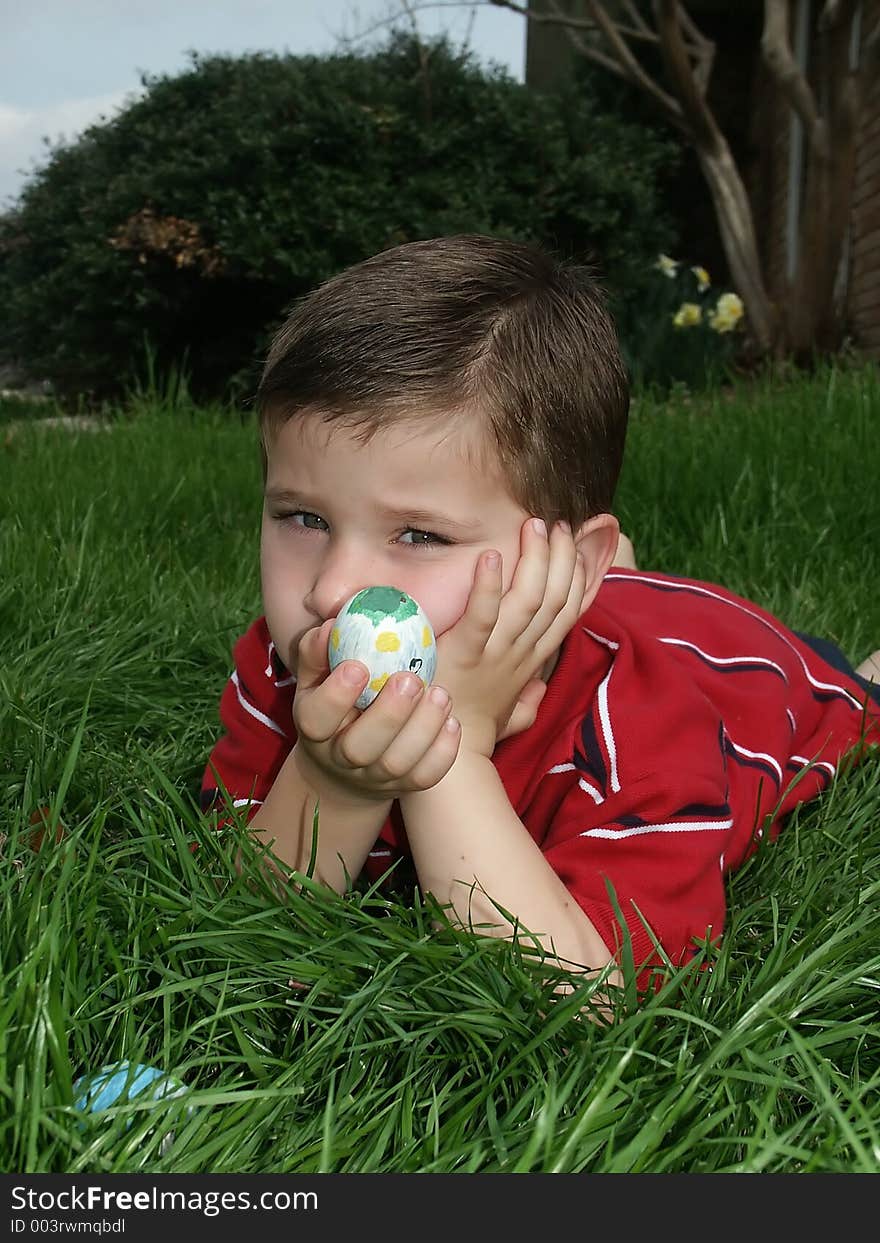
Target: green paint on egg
377	603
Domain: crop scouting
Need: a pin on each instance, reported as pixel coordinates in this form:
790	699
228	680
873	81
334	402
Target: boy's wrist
347	825
333	793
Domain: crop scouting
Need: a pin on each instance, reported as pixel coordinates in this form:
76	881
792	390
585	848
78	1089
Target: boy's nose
340	577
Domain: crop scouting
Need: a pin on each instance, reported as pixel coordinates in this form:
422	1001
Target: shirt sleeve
256	712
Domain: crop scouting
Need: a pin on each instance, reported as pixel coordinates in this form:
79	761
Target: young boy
588	725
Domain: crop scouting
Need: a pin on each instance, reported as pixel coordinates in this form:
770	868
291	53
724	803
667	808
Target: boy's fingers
565	589
368	738
439	758
329	701
563	594
525	711
320	715
314	663
529	586
409	745
484	602
312	654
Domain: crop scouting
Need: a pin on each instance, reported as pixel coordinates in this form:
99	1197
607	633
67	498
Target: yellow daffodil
702	276
687	315
667	266
727	314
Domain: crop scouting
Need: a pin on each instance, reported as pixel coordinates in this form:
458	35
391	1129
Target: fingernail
409	687
538	526
563	526
352	674
493	560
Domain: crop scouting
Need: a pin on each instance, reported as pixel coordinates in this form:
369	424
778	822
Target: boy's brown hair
458	329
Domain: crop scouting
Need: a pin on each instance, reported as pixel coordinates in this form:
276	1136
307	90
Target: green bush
187	223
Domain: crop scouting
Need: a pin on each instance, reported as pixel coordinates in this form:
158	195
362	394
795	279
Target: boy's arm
347	828
258	763
471	850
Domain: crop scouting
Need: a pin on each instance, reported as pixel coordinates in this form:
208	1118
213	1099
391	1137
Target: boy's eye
302	513
421	539
425	538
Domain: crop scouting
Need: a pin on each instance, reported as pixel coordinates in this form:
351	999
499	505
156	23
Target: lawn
129	567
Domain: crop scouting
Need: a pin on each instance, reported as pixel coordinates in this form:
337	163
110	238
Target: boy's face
325	535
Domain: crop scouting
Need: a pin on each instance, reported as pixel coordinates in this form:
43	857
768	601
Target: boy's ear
597	540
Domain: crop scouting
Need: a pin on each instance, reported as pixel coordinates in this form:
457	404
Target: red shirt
680	725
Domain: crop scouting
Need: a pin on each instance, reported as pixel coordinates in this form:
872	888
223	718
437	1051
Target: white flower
688	315
702	276
667	266
727	314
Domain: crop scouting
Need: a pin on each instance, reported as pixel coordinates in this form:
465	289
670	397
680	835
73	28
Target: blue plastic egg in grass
389	632
123	1082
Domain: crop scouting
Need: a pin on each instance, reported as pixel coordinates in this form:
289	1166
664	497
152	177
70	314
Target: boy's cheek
445	597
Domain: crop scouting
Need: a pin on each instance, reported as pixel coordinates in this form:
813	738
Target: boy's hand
488	661
402	746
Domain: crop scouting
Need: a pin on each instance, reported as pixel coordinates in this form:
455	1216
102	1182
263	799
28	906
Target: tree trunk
733	212
814	320
732	207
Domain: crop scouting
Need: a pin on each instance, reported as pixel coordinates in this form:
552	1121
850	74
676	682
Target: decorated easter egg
122	1082
389	632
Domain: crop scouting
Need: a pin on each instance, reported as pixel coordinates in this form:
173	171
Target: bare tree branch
691	97
776	50
410	9
620	61
591	52
632	70
556	18
637	20
639	30
701	48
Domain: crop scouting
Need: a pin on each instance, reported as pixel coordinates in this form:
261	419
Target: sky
65	63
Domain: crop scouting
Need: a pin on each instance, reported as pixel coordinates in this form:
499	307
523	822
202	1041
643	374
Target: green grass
129	565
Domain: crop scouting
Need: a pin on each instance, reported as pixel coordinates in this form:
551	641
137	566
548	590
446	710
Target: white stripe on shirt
270	671
607	731
254	712
757	755
726	660
595	794
675	826
802	759
601	639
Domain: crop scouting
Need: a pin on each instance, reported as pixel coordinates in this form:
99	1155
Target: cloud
22	131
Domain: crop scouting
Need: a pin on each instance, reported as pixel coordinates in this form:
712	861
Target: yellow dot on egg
426	636
334	638
377	683
387	641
